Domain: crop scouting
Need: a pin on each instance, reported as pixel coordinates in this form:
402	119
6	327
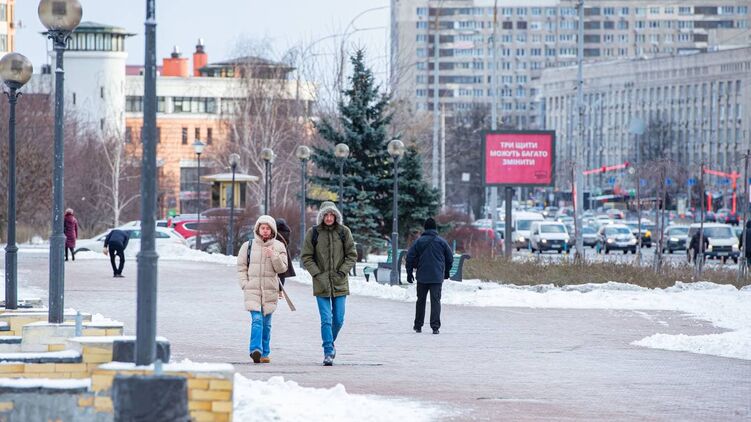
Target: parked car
676	238
162	235
723	243
616	237
646	231
615	214
521	223
548	236
727	216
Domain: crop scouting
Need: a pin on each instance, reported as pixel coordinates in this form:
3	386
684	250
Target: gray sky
222	24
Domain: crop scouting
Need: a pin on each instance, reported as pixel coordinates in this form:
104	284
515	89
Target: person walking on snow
70	225
258	272
115	243
328	255
431	255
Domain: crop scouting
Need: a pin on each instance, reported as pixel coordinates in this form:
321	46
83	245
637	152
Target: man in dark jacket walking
693	246
431	255
329	254
115	243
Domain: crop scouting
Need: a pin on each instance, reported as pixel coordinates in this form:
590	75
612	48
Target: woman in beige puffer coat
260	283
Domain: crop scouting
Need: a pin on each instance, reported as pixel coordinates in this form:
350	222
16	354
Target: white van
548	236
521	223
722	242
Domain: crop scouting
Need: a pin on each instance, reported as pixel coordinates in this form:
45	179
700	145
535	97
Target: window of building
3	42
624	11
197	133
507	25
521	11
194	105
3	12
608	25
521	25
591	25
622	24
421	38
422	11
550	11
421	25
536	11
209	136
128	135
507	11
608	11
185	136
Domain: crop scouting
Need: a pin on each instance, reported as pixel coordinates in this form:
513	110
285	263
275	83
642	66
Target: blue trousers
260	333
331	310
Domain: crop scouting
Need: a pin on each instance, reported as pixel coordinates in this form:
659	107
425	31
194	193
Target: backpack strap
314	238
250	244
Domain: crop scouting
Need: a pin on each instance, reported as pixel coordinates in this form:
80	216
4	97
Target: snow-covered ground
272	401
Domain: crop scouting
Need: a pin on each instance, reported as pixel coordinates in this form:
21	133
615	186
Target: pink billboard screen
519	158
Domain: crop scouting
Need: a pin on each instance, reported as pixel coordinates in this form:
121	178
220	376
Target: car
721	239
727	216
163	236
589	236
615	214
646	231
549	212
676	238
548	236
616	237
521	222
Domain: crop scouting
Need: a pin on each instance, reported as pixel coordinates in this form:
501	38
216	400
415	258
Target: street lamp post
60	17
396	150
15	70
198	148
341	151
233	160
303	154
267	154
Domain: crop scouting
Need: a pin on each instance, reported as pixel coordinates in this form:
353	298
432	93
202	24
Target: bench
367	271
455	273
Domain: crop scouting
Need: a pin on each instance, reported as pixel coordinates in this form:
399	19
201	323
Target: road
487	364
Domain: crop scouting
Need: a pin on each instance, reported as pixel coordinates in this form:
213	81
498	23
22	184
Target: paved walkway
487	363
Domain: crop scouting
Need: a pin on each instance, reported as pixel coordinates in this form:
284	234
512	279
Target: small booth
221	185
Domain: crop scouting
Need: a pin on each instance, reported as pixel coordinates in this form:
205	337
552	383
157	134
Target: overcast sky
222	24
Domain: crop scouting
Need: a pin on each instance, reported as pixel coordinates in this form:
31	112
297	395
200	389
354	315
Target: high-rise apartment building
533	35
7	26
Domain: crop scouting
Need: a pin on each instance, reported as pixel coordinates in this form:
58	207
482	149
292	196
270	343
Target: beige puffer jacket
259	280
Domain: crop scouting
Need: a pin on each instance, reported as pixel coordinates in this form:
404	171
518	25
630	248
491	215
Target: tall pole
266	187
743	267
579	177
639	237
198	204
436	117
443	156
148	257
395	227
303	168
57	240
231	242
11	250
341	184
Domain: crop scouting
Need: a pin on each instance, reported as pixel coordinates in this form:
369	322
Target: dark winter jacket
694	244
71	230
282	235
118	237
432	256
333	256
747	240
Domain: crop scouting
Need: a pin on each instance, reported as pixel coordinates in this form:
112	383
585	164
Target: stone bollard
150	398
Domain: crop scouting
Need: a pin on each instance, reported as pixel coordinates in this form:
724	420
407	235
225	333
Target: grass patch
560	273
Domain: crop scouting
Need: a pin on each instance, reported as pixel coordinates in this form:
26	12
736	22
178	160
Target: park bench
367	271
455	273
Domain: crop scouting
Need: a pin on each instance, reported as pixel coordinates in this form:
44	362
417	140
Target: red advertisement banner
519	158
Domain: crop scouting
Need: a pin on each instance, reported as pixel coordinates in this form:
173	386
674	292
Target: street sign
611	180
668	181
724	181
692	181
643	182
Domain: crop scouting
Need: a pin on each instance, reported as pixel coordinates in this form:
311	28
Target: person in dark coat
747	240
431	255
70	227
115	243
694	245
282	234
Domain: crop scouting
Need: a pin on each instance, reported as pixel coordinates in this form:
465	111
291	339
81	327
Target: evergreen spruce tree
363	123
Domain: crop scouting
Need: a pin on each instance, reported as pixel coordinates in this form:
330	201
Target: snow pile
722	305
273	400
168	253
45	383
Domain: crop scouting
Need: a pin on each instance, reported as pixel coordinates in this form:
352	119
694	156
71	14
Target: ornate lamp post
267	154
341	151
303	154
396	150
198	148
60	17
233	160
15	70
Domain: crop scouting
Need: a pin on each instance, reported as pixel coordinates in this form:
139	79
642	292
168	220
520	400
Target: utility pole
443	156
436	117
579	181
743	264
509	191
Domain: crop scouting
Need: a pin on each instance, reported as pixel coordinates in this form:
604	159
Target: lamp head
15	70
302	152
267	154
396	148
60	15
341	151
198	146
234	159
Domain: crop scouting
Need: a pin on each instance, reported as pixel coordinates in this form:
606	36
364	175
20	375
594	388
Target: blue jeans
331	310
260	332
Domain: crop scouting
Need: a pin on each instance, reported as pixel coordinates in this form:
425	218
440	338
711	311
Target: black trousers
435	304
73	254
117	249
